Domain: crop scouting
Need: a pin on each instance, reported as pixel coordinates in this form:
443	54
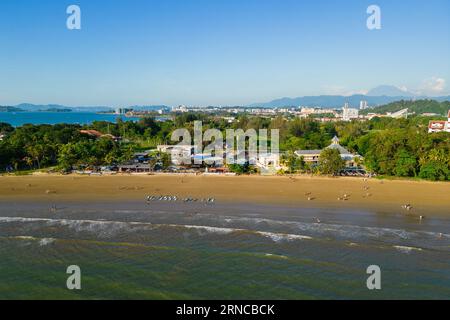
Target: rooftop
334	145
338	147
308	152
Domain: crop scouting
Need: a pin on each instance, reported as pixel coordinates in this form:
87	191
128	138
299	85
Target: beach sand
426	198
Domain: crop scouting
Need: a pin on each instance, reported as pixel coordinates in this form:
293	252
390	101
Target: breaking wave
406	249
279	237
346	231
104	226
42	241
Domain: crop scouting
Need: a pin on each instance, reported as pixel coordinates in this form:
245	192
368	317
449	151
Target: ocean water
20	118
222	251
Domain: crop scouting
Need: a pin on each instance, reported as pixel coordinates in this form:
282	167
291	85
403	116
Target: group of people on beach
175	199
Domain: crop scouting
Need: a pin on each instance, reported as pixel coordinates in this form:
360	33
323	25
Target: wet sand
426	198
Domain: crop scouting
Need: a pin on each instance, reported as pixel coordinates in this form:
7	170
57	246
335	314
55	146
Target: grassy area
29	172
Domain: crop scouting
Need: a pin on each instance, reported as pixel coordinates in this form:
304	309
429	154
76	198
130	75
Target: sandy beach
261	239
430	198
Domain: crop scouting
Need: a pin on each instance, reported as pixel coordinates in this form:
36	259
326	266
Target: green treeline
418	107
390	147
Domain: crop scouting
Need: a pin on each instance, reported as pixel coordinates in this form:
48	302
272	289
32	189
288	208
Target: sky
218	52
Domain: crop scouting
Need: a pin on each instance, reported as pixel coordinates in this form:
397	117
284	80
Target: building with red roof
439	126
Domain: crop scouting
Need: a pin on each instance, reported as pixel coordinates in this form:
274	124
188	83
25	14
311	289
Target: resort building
440	126
207	159
268	164
166	148
135	168
312	156
269	160
180	154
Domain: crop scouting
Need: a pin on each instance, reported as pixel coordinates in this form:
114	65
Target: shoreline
426	198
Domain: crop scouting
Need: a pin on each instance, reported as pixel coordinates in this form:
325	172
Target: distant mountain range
376	97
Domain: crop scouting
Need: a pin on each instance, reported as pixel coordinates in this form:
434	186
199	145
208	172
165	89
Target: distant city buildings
349	114
306	112
181	108
440	126
363	105
319	114
123	111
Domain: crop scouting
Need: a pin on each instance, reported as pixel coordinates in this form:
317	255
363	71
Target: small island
10	109
55	110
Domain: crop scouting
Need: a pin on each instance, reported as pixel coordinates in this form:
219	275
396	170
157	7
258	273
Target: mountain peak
389	91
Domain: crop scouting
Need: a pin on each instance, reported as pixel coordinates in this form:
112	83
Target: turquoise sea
20	118
221	251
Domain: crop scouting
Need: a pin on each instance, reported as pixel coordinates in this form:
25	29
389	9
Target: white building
121	110
181	108
440	126
179	153
269	160
269	163
307	111
399	114
363	105
349	113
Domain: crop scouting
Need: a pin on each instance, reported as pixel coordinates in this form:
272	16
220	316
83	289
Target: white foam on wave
215	230
24	238
280	237
109	227
271	255
276	237
406	249
347	231
46	241
42	241
104	226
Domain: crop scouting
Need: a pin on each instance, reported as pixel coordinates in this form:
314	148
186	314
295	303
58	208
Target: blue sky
221	52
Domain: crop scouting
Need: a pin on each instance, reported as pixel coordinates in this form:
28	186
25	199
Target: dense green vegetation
293	163
34	147
390	147
331	162
418	107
